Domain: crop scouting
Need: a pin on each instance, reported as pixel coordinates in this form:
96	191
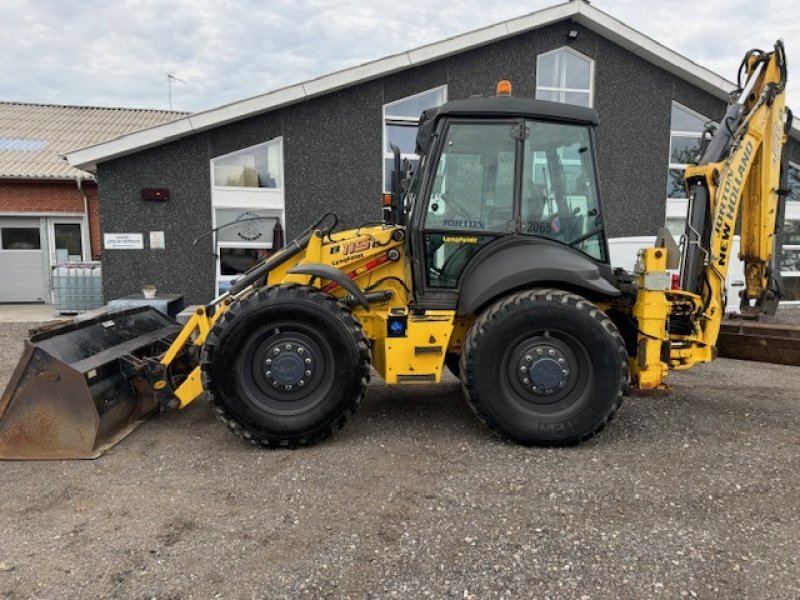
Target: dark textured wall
182	167
333	157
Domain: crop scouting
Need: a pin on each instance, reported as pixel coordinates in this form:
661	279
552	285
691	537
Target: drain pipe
79	183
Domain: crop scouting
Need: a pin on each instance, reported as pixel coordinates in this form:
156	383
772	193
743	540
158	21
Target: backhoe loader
491	260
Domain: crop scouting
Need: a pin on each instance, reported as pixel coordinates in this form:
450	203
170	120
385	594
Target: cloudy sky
117	53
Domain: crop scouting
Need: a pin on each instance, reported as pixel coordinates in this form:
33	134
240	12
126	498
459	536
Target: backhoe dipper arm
739	169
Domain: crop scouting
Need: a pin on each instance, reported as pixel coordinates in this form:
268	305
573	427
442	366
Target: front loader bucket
763	341
79	389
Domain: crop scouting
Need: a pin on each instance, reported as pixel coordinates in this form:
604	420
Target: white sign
156	240
123	241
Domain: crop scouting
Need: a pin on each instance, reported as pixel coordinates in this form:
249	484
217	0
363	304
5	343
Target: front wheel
286	366
544	367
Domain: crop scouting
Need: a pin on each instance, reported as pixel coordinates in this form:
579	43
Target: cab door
468	200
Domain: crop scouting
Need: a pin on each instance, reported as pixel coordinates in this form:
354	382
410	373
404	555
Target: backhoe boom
739	171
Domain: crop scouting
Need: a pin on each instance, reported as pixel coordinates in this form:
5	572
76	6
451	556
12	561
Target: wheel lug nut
275	383
538	352
288	387
276	351
526	381
523	368
301	383
288	346
308	373
308	361
565	372
561	361
551	352
268	373
529	358
269	361
300	350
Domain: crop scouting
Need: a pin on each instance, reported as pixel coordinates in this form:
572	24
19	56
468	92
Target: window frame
247	189
256	245
402	122
245	198
563	90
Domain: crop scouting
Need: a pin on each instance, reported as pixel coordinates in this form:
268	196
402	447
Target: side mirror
396	215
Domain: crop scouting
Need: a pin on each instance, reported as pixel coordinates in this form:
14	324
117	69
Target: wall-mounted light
573	34
158	194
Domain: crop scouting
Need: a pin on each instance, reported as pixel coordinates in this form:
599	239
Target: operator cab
498	167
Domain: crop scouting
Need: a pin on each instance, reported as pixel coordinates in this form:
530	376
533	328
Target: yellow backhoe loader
492	260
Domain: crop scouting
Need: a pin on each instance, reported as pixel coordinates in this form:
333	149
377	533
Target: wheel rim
547	371
286	368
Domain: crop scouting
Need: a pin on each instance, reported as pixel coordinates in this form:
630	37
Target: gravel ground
690	495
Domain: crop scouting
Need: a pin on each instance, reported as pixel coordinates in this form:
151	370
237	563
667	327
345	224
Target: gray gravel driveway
691	495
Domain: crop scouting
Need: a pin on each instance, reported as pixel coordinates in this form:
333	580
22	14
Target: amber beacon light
504	87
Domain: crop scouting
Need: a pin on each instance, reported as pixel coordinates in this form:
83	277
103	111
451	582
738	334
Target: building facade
321	146
49	210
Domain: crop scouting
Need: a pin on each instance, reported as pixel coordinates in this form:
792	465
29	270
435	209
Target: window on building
255	167
244	238
790	239
686	131
247	200
400	122
565	75
20	238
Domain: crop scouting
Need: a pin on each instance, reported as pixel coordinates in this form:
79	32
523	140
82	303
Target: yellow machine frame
374	257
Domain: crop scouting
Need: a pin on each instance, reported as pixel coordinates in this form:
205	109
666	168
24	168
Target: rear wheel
286	367
544	367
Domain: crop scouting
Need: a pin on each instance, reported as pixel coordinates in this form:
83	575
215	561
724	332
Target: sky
119	52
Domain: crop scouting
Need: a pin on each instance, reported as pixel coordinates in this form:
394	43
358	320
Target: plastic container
77	287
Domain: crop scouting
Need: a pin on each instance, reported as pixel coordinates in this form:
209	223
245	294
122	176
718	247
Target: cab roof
514	106
501	107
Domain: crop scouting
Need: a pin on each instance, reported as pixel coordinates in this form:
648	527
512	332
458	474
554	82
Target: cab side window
559	191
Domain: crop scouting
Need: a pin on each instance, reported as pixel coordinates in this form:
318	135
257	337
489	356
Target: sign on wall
123	241
251	226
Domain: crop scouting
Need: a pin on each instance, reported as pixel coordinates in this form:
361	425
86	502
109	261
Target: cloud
118	53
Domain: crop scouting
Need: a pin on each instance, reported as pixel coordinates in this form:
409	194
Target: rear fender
516	263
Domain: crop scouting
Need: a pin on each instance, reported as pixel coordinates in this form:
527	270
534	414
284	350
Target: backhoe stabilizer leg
649	367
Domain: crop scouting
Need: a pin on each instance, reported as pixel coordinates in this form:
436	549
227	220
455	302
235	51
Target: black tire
286	367
453	362
575	368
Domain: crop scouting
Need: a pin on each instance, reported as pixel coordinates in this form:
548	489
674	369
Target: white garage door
23	264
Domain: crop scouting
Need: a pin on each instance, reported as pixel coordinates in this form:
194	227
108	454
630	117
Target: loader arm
739	170
194	333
